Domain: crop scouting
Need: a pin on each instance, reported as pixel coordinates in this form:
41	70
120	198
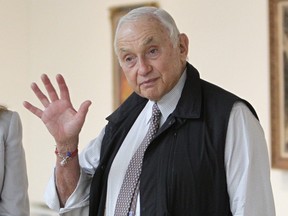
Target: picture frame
121	89
278	24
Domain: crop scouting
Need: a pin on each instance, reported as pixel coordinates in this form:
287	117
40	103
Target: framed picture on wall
121	88
278	15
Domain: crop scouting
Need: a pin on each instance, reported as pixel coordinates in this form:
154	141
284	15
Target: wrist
68	144
66	156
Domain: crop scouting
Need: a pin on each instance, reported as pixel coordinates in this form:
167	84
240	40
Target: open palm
61	119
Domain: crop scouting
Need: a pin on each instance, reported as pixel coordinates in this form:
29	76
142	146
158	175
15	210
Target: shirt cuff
78	199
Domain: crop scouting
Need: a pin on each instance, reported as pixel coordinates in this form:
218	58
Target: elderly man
202	153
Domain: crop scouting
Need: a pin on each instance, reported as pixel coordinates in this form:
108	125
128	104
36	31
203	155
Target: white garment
13	175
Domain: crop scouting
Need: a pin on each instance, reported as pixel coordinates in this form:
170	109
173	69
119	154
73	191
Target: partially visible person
14	199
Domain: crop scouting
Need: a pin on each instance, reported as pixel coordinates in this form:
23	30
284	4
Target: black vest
183	170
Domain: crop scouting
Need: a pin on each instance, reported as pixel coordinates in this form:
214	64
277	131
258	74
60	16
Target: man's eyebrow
145	42
148	40
122	50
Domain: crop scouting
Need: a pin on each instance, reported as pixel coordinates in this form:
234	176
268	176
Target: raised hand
61	119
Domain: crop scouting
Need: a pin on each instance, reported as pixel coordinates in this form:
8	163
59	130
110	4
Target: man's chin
151	97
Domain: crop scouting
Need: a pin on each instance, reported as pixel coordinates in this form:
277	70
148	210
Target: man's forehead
140	34
137	26
151	40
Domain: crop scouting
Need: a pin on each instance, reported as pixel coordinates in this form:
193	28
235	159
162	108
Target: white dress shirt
245	152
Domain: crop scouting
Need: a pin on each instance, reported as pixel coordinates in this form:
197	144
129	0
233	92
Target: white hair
164	18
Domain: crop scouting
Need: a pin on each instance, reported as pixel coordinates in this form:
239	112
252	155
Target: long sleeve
14	194
247	165
78	202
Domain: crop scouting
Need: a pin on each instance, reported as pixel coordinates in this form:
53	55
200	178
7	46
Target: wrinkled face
152	65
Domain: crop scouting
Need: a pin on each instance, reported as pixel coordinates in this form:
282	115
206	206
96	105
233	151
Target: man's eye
153	52
128	59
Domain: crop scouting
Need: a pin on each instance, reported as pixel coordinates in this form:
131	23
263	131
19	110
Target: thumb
83	109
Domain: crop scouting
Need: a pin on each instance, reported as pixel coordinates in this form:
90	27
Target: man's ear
183	45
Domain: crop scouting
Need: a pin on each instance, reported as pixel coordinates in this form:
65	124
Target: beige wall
228	44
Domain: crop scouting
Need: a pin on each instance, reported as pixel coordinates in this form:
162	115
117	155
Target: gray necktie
126	201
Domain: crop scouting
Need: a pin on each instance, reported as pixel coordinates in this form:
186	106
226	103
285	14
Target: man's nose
144	67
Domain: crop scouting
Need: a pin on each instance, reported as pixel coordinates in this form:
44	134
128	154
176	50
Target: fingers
43	99
64	91
33	109
49	87
53	96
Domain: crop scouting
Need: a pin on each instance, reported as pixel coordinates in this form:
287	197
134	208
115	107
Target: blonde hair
2	108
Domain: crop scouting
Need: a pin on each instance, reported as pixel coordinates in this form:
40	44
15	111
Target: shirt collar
168	102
